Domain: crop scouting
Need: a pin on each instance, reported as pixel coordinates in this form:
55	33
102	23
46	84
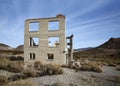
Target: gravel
81	78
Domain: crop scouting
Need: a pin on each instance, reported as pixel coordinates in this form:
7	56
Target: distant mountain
109	49
5	47
82	49
112	43
20	48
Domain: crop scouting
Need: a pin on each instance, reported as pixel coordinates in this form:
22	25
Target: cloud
86	19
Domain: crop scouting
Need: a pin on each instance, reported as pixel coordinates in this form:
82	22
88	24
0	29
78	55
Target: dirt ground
82	78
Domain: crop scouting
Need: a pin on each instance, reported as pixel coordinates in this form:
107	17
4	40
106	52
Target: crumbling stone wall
41	50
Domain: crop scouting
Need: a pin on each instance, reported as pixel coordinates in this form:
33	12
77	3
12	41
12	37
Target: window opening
53	25
34	41
32	55
51	56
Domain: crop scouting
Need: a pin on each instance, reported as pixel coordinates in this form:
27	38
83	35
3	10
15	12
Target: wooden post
70	50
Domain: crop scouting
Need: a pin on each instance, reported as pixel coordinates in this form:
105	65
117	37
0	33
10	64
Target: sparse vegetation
112	64
118	68
29	72
48	69
16	67
65	66
3	79
58	84
21	83
15	58
38	65
51	69
90	67
117	78
3	63
6	64
95	67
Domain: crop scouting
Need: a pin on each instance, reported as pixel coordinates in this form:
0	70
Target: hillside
20	48
108	50
5	47
112	43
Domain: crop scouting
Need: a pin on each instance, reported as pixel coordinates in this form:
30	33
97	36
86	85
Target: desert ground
70	76
81	78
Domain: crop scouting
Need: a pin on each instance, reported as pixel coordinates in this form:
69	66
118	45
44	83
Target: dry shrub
96	69
3	79
29	72
38	65
3	62
65	66
112	64
47	69
86	67
22	83
51	69
118	69
15	67
90	67
117	78
15	77
58	84
11	66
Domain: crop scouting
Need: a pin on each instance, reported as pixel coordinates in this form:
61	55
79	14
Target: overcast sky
92	22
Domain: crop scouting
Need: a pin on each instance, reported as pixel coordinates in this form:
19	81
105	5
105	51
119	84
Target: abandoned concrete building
45	40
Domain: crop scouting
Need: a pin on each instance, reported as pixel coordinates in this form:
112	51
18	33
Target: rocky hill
5	47
112	43
20	48
108	50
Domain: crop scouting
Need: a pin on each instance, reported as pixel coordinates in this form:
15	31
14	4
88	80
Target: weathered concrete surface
42	50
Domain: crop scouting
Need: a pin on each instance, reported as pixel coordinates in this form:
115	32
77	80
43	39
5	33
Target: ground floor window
32	55
50	56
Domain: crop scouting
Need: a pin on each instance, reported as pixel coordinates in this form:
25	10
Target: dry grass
90	67
21	83
117	78
3	62
10	66
51	69
48	69
112	64
58	84
3	79
65	66
118	69
40	69
15	67
29	72
38	65
61	84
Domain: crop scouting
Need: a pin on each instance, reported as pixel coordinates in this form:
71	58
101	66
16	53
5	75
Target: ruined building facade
47	41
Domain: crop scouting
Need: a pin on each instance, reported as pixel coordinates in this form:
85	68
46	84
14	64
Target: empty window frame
32	55
50	56
34	26
53	41
53	25
34	41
